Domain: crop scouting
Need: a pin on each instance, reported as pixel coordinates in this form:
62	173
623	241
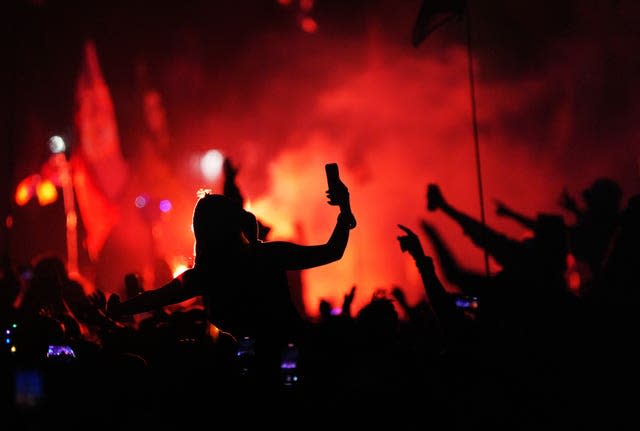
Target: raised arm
498	245
291	256
443	304
469	282
177	290
504	211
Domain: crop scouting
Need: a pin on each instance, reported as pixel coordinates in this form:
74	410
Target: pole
70	214
474	121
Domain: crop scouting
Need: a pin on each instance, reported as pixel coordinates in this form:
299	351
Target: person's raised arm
498	245
442	303
469	282
504	211
568	202
177	290
292	256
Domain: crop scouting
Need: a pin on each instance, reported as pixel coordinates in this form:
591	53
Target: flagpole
474	122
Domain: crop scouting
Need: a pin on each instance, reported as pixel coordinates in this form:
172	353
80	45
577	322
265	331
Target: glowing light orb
165	205
46	192
211	164
23	193
57	145
141	201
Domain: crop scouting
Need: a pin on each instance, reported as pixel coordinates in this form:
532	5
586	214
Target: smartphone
289	365
57	351
333	175
467	302
246	355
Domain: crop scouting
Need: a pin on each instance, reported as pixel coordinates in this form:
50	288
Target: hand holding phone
338	193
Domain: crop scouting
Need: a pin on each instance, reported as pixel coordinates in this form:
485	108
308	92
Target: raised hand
348	300
410	242
567	202
230	170
338	195
399	295
435	200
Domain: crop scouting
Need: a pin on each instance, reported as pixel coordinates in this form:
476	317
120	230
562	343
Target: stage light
211	164
46	192
141	201
179	269
165	205
24	191
57	144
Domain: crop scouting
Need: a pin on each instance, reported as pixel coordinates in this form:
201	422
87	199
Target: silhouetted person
591	233
534	319
451	318
236	276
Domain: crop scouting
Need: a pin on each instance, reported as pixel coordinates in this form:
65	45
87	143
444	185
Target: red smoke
556	96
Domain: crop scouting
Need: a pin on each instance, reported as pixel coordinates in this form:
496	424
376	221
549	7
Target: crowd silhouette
515	349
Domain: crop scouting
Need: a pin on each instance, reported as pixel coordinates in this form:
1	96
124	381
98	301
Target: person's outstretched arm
498	245
291	256
504	211
177	290
469	282
441	301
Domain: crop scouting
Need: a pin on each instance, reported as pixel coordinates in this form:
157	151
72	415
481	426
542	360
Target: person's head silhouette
218	223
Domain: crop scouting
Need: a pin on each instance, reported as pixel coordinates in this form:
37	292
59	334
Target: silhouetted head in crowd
603	197
218	225
132	284
378	320
46	286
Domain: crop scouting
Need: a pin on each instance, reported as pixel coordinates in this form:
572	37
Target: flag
434	14
99	170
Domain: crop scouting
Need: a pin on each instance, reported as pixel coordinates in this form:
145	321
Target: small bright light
179	269
24	191
165	205
8	332
46	192
211	164
14	325
57	145
141	201
8	340
13	349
